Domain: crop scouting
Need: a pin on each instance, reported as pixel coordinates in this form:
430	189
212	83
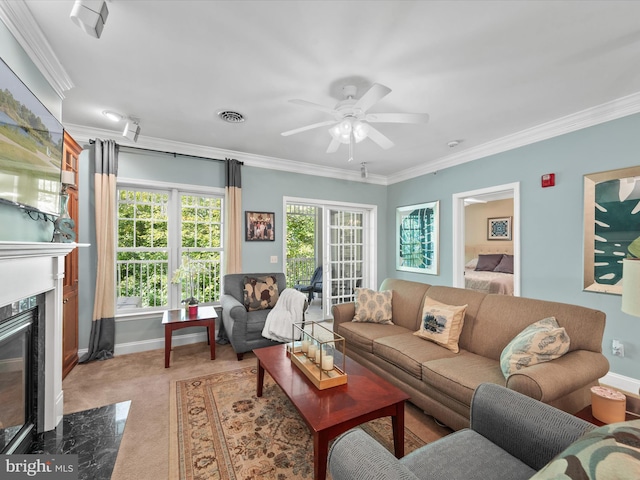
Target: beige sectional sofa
442	382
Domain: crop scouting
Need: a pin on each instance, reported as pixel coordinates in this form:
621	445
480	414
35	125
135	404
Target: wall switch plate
274	259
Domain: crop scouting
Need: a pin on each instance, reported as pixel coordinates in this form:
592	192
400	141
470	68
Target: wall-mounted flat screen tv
31	141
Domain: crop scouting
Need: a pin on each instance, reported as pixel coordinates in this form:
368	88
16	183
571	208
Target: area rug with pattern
221	430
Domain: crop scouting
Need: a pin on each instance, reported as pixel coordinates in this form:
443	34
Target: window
157	231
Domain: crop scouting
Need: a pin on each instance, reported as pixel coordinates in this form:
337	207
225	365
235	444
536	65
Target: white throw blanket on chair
289	309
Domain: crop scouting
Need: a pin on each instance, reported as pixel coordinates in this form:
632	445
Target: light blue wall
17	226
264	191
551	218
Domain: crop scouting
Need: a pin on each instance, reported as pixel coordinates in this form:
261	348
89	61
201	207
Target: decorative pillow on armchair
540	342
372	306
442	323
260	293
609	452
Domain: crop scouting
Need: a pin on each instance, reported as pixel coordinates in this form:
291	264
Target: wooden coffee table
332	411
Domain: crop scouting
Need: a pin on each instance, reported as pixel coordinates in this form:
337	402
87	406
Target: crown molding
82	134
18	18
589	117
613	110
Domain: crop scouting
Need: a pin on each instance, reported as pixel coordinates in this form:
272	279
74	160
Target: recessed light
113	116
454	143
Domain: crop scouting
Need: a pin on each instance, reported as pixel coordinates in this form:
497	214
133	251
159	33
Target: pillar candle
327	363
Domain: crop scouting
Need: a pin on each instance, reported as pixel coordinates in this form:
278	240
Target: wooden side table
632	412
180	318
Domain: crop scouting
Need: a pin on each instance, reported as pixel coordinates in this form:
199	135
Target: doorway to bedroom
486	254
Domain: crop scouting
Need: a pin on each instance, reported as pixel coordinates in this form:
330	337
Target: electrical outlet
274	259
617	348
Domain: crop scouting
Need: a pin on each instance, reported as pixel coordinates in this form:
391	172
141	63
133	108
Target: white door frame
459	231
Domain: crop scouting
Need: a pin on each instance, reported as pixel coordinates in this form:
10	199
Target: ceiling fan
352	123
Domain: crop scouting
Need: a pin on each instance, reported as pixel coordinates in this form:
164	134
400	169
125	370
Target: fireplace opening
19	354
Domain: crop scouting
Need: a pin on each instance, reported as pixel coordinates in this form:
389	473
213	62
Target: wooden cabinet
71	152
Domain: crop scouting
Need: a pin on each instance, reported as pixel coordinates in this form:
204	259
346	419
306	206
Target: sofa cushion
407	301
408	352
361	335
441	323
459	376
487	262
540	342
260	292
372	306
612	451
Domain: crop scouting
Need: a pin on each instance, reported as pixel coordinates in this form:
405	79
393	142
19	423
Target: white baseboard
153	344
627	384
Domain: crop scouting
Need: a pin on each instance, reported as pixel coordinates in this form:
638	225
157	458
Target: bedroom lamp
631	286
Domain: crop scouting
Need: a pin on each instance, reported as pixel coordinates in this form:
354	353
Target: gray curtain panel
102	339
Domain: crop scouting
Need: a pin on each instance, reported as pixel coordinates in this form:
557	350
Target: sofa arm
552	380
343	312
355	455
531	431
232	308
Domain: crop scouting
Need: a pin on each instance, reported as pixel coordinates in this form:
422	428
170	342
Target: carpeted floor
142	378
220	429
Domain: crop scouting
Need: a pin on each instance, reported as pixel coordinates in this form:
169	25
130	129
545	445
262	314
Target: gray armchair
512	436
243	328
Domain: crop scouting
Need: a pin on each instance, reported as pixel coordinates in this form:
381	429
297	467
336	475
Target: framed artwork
259	226
499	228
611	227
418	230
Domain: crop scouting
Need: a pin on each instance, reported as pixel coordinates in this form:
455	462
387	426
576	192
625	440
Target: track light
131	130
90	16
364	173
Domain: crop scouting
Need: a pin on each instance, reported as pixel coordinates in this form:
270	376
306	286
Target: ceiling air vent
230	116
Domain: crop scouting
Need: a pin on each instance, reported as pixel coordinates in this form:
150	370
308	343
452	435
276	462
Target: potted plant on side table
188	272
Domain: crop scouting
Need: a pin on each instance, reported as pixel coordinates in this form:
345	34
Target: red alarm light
548	180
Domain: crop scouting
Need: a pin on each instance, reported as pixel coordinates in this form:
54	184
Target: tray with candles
319	353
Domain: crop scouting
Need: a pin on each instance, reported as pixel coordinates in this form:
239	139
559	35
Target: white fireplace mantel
32	268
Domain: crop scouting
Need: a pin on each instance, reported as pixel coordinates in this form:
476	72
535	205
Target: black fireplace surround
22	339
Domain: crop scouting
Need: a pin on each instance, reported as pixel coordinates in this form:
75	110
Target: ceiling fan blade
379	138
333	146
397	117
372	96
308	127
315	106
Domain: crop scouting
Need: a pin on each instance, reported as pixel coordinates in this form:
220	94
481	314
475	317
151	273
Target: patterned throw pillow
373	307
609	452
442	323
540	342
260	293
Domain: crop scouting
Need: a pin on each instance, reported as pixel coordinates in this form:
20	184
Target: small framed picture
259	226
499	228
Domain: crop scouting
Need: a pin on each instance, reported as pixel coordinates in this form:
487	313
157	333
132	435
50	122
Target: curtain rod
175	154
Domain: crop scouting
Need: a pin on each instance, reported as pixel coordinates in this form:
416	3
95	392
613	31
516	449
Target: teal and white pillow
540	342
609	452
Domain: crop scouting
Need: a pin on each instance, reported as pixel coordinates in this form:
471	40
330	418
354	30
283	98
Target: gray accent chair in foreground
511	436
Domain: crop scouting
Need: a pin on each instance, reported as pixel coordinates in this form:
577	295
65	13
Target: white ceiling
483	71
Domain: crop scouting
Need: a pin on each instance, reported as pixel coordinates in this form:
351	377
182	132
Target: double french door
346	248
